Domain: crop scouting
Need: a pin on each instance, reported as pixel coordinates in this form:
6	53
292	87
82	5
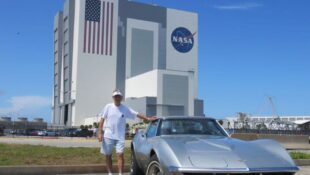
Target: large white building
148	52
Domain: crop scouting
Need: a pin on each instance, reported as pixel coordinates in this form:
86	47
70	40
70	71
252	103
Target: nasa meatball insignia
182	39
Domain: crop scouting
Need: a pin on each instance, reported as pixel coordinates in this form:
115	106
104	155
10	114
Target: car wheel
153	167
134	167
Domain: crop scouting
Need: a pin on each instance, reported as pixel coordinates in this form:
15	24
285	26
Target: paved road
56	141
305	170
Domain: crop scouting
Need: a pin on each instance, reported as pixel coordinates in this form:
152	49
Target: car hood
226	152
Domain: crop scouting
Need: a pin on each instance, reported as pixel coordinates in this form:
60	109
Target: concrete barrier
279	138
286	138
302	162
244	136
56	169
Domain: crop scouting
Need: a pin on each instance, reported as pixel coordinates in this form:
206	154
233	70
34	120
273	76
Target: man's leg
106	149
120	161
120	145
109	163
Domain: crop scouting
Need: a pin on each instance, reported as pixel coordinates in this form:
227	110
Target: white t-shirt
115	120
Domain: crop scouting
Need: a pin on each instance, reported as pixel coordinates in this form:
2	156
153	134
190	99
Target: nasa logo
182	39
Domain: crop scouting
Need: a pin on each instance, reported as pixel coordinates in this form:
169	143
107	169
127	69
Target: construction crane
276	120
274	110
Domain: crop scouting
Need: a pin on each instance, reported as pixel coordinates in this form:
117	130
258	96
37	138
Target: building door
66	114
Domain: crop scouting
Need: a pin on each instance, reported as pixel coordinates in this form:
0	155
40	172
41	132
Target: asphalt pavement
304	170
56	141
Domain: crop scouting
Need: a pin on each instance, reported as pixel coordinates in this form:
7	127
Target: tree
243	118
90	126
261	126
96	125
82	127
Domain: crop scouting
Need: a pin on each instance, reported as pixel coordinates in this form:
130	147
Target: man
113	120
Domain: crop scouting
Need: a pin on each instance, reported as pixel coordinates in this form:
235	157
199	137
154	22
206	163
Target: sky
249	50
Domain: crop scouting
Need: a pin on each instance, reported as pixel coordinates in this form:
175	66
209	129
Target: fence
279	132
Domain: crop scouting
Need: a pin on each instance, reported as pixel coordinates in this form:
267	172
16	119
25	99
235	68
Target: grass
13	154
300	155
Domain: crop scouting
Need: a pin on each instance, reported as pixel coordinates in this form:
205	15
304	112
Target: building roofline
156	5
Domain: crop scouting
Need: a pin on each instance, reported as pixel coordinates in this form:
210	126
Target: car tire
134	167
154	166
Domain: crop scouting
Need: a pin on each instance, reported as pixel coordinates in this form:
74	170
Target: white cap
117	92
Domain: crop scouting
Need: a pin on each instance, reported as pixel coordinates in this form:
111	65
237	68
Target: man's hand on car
153	118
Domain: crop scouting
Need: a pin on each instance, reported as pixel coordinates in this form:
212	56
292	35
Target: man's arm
100	129
143	117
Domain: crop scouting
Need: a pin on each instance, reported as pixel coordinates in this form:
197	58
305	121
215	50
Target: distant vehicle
51	133
42	133
18	132
32	132
48	133
1	132
200	146
69	132
74	132
84	133
13	132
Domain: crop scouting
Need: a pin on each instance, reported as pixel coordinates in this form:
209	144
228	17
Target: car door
147	139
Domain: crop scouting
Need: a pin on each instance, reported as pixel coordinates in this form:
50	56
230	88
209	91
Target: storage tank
5	119
22	119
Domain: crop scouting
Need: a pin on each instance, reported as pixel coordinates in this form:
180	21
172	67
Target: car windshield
191	126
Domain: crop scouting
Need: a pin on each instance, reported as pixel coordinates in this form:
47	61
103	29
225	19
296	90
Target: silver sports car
199	145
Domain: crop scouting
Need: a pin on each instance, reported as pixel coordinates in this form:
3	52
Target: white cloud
243	6
22	103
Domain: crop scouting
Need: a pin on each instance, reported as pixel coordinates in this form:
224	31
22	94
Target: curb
56	169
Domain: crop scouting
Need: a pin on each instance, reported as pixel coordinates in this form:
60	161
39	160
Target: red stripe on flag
107	30
89	35
85	33
98	38
111	31
102	33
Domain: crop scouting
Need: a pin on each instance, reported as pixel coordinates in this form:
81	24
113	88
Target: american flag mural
98	27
